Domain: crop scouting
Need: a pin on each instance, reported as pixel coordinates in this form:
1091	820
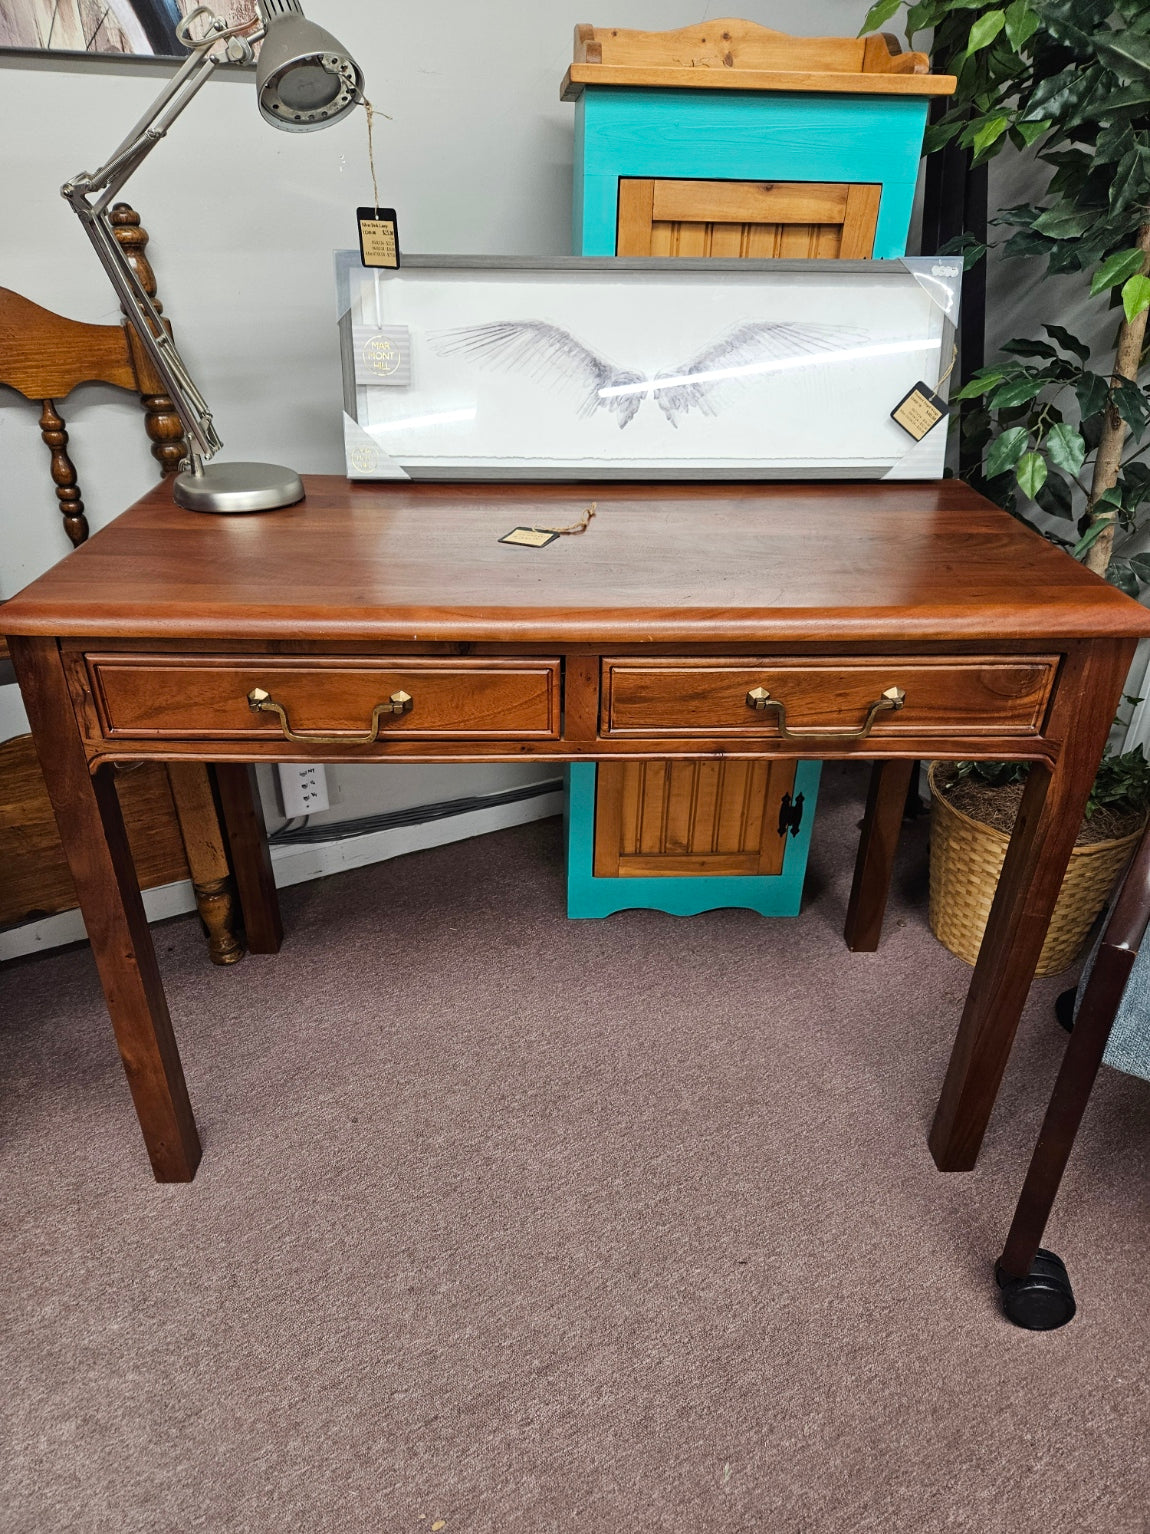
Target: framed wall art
108	29
467	367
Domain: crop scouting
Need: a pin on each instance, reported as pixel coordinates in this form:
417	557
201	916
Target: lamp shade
305	79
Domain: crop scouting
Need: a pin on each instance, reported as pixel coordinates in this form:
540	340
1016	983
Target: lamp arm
90	193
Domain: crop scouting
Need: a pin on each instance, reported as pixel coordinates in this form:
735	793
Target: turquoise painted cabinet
743	136
727	139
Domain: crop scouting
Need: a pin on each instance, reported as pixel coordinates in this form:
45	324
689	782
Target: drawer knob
890	702
261	702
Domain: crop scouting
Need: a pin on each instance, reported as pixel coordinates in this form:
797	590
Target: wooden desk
644	637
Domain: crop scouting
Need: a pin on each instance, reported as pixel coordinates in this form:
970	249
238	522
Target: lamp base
237	487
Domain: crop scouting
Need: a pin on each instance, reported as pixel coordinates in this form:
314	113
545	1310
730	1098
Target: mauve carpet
512	1223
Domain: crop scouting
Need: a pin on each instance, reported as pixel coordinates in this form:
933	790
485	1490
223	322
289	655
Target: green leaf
1068	343
1026	243
1016	391
880	11
980	383
1140	564
1130	184
1058	94
985	30
1065	447
989	132
965	245
1005	451
1065	223
1056	499
1132	406
1092	391
1030	472
1128	98
1028	349
1116	269
1135	297
940	134
1119	573
1127	52
1021	23
1028	132
1092	533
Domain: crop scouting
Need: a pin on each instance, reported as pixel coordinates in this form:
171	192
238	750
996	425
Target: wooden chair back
44	356
170	812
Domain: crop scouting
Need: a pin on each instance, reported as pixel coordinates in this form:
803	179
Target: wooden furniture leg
1048	821
251	858
92	831
885	806
1036	1290
207	857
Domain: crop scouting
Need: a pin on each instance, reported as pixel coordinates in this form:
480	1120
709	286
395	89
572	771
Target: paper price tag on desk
530	537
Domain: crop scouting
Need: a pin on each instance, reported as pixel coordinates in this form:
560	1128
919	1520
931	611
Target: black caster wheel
1064	1008
1043	1300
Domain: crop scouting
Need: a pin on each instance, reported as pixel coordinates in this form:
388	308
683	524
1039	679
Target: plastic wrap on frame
366	459
940	278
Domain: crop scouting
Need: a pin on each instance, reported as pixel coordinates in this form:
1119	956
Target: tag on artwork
378	236
529	537
920	411
382	354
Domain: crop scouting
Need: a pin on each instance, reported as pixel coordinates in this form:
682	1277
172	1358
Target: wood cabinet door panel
761	219
690	818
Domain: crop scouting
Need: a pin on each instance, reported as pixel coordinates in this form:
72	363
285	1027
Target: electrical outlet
303	788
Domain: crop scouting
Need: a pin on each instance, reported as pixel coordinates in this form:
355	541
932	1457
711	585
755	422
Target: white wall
476	159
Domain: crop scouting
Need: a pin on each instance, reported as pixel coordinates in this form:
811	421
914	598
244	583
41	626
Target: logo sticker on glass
382	354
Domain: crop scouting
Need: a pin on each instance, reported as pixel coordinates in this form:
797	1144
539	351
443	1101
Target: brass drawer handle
891	701
399	703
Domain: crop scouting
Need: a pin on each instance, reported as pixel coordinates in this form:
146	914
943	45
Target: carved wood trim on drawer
977	696
202	698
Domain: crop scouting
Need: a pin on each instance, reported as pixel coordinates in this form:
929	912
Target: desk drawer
980	695
170	698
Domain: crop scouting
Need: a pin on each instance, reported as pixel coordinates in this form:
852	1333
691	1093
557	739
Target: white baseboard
296	865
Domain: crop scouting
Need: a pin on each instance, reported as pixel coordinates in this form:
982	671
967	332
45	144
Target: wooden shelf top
741	55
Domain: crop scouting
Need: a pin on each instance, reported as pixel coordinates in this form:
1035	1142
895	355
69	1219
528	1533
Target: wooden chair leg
886	802
251	859
87	811
203	839
1068	1101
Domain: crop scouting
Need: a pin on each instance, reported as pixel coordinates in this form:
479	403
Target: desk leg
1052	806
92	831
885	807
251	857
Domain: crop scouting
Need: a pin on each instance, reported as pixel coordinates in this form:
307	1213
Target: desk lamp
305	79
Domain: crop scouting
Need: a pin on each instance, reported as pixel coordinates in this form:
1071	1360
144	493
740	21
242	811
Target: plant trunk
1108	462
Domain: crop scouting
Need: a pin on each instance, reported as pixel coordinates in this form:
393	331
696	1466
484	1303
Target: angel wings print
551	355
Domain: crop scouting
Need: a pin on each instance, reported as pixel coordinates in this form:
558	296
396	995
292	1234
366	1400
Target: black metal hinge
790	814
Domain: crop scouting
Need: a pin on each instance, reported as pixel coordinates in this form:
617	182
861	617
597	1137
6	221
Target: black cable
417	815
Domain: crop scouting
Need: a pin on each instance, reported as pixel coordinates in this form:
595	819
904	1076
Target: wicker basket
966	860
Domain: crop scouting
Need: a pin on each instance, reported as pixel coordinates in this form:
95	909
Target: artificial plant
1068	83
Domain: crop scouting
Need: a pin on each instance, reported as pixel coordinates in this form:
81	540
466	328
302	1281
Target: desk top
660	563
